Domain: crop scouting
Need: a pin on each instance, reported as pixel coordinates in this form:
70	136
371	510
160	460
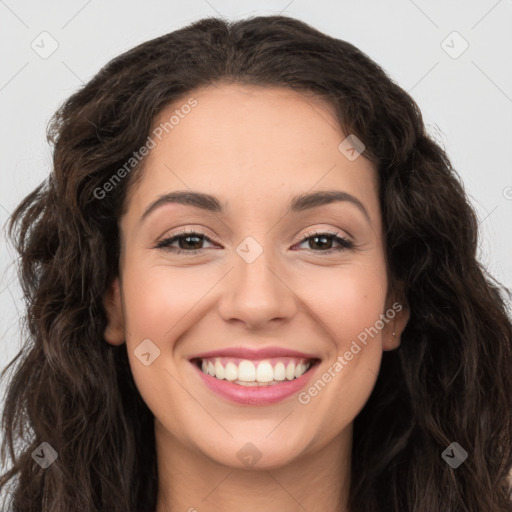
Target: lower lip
255	395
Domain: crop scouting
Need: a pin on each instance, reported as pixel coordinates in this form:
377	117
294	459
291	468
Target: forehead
254	147
246	124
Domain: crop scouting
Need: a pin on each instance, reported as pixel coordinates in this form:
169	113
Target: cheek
158	298
159	304
346	302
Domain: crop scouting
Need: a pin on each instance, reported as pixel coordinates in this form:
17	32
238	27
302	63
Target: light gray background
466	101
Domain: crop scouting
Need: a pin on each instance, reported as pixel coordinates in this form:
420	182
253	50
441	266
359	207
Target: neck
189	481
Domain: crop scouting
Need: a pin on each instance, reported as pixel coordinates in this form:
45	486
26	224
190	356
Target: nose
257	294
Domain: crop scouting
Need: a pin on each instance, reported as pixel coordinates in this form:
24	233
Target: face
256	284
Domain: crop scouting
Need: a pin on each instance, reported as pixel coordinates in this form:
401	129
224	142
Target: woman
252	285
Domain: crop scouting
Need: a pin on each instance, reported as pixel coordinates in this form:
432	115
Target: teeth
243	383
279	371
299	370
265	372
246	371
231	372
249	373
290	371
219	370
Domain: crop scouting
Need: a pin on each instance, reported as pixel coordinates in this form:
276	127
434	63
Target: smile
267	372
255	377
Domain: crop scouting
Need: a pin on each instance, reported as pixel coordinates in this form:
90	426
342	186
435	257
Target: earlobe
114	331
391	336
391	342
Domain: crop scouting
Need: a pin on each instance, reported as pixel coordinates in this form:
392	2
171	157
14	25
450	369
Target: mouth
255	377
263	372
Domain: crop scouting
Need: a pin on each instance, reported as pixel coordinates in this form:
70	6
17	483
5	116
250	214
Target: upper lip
254	354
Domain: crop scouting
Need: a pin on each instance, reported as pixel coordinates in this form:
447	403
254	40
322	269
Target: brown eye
187	242
323	242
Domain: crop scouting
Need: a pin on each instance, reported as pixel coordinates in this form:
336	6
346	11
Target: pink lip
253	354
255	395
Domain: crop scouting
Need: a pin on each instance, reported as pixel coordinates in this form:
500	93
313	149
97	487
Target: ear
114	331
398	314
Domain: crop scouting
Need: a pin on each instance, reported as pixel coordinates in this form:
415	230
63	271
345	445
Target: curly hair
449	380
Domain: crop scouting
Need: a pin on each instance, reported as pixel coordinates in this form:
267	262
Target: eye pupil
321	237
189	237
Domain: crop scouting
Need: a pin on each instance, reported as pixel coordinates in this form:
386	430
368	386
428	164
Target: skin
253	148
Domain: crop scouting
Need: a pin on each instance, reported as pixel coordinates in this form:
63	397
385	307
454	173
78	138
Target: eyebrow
297	204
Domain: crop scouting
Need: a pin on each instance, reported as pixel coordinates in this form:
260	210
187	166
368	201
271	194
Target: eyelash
165	243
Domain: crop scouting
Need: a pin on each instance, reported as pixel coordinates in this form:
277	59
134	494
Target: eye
324	241
188	241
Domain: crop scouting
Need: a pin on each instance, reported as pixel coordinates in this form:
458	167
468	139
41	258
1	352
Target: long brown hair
450	380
